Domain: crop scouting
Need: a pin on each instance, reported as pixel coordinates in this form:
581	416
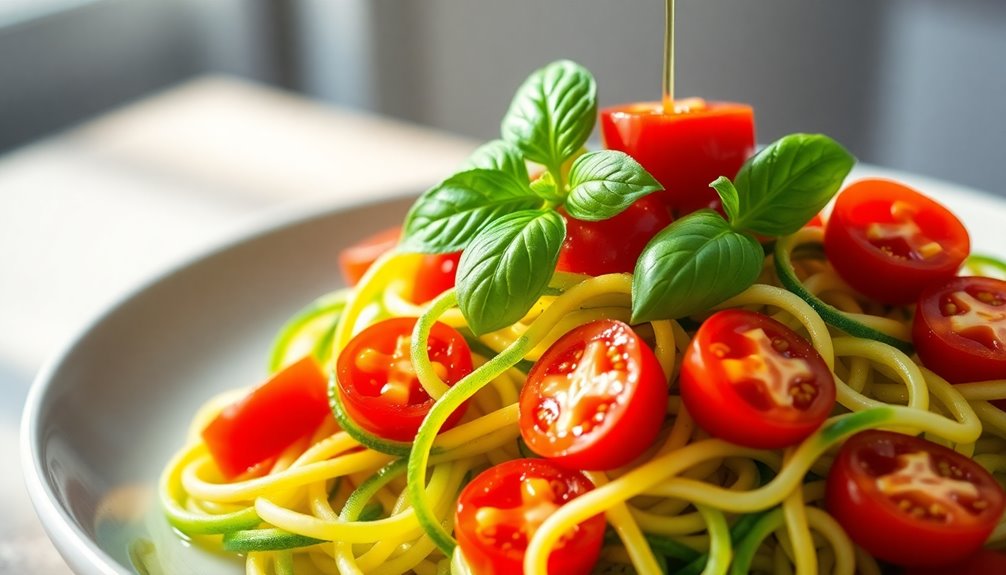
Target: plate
107	412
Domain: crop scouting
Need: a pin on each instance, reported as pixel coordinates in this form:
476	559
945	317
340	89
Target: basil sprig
509	227
703	259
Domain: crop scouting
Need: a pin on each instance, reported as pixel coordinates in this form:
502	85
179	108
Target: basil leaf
728	195
498	155
552	114
786	184
545	187
446	217
507	267
604	183
695	263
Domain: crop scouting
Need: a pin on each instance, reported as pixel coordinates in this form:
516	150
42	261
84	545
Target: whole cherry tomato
612	245
378	384
595	399
910	501
749	379
500	510
890	242
435	276
287	407
684	151
959	329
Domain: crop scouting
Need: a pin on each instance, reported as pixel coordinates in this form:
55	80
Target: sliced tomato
612	245
357	258
984	562
750	380
959	329
889	242
500	510
378	384
685	151
287	407
595	399
435	276
910	501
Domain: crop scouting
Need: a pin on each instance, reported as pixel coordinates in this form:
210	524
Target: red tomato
595	399
890	242
500	510
685	151
290	405
751	380
984	562
378	385
912	502
357	258
960	329
435	276
612	245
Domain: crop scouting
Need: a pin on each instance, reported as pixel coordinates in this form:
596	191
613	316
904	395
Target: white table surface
90	213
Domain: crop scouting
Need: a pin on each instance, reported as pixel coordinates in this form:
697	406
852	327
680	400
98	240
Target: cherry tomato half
749	379
612	245
984	562
960	329
287	407
910	501
500	510
595	399
684	151
890	242
378	385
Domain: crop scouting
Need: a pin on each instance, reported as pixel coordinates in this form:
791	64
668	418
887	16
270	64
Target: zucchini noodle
349	503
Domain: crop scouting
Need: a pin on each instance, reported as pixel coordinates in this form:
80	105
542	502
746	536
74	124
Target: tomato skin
685	151
632	418
984	562
287	407
435	276
874	520
868	268
726	408
361	392
612	245
355	260
957	358
499	486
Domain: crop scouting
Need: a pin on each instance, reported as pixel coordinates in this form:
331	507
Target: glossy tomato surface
355	260
595	399
500	510
378	385
435	276
612	245
889	242
750	380
684	151
287	407
910	501
959	329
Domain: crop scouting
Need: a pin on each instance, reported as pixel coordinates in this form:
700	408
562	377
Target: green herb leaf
546	188
786	184
604	183
498	155
695	263
552	114
728	195
507	267
446	217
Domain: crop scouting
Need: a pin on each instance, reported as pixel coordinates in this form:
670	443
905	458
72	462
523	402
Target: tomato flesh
500	510
612	245
435	276
984	562
684	151
910	501
355	260
378	385
959	329
595	399
287	407
749	379
889	242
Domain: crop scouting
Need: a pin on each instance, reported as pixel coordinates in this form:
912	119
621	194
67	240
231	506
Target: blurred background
135	133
